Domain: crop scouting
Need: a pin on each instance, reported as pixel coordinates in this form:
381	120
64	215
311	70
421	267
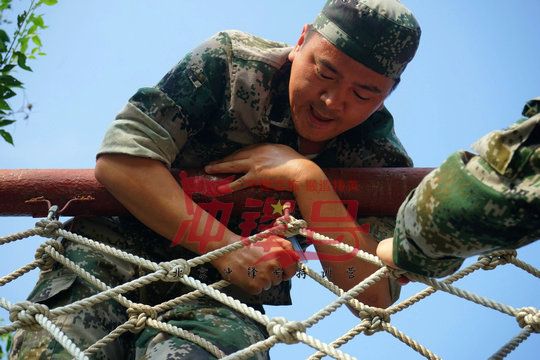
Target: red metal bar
379	191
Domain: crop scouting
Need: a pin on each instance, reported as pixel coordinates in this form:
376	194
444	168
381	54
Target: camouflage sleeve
157	121
473	204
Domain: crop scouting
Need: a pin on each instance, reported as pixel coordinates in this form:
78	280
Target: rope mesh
34	316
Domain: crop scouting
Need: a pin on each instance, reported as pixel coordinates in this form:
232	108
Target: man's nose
333	99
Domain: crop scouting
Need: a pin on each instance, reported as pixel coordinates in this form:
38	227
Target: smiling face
329	92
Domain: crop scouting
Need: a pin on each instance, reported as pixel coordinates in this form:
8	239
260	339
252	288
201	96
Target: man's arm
148	191
147	136
346	270
276	165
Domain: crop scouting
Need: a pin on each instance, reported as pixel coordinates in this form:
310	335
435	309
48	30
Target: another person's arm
472	204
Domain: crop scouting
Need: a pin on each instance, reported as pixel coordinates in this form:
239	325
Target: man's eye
325	76
360	96
322	75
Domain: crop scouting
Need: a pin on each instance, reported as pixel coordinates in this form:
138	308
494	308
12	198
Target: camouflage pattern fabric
225	328
231	92
473	204
222	326
382	35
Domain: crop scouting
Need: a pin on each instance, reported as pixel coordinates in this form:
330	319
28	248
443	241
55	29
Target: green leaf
6	93
21	61
38	20
5	4
24	44
50	2
8	68
4	105
10	337
4	37
20	18
10	81
7	136
6	122
37	40
32	29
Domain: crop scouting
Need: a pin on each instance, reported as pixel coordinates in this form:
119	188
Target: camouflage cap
381	34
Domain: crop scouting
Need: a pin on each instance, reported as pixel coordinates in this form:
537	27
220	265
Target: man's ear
299	43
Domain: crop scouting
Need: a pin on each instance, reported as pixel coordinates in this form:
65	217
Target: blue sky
476	66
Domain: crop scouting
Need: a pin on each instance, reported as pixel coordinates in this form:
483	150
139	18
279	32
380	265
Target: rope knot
395	273
293	226
47	261
25	313
529	316
497	258
49	226
138	315
372	321
285	330
176	269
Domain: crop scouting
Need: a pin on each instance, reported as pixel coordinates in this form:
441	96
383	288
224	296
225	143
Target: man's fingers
277	276
267	287
228	166
238	184
289	263
288	258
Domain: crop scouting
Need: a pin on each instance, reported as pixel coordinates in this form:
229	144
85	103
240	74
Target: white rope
19	236
30	316
526	267
19	272
512	344
465	294
61	337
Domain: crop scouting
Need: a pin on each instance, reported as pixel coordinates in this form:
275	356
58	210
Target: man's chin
314	144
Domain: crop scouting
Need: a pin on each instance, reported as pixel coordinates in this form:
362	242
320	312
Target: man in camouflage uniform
277	115
472	204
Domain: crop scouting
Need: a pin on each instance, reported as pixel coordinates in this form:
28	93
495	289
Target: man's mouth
320	117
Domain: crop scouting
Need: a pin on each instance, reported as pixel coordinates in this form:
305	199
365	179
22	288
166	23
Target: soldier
274	114
472	204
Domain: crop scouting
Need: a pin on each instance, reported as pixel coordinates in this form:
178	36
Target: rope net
34	316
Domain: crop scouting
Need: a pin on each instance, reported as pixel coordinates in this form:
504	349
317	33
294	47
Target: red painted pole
30	192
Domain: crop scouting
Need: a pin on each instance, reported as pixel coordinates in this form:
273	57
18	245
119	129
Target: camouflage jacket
230	92
474	204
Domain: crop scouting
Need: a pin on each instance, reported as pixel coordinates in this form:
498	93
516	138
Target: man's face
329	92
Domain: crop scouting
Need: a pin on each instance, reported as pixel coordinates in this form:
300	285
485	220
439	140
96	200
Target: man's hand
266	263
273	166
260	265
384	252
279	167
